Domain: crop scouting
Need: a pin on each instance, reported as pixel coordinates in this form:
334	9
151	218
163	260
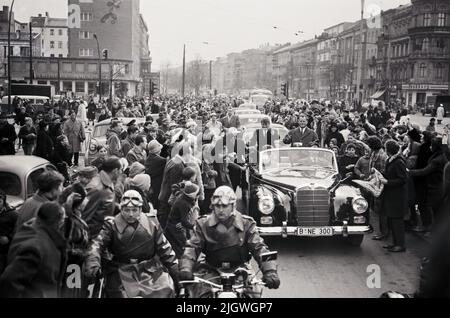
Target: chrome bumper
344	230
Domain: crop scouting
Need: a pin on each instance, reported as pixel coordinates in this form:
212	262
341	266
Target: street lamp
99	69
9	55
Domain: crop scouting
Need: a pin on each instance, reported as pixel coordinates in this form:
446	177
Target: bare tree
196	76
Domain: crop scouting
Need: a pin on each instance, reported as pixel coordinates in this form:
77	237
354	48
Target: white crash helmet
224	195
131	198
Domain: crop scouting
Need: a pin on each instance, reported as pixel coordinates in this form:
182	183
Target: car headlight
360	205
266	205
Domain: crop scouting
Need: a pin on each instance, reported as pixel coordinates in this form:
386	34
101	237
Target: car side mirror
269	256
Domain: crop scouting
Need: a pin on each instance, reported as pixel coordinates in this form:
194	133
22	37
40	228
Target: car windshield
296	159
250	120
10	184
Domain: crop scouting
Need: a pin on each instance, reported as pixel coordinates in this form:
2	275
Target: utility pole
99	69
360	64
31	54
210	75
9	56
184	71
110	88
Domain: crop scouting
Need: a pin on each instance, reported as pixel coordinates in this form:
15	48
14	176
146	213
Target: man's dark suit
264	137
308	138
229	122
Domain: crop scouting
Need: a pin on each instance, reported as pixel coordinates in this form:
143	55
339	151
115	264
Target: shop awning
378	94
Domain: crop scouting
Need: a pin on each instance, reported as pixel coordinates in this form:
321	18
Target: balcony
429	29
432	53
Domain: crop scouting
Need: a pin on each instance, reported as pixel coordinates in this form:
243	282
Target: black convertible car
299	192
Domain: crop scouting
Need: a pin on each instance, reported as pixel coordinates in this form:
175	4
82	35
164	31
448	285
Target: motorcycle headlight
360	205
266	205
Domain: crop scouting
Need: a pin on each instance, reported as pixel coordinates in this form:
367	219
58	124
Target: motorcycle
234	284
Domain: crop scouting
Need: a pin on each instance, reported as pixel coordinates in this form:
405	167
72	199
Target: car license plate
315	231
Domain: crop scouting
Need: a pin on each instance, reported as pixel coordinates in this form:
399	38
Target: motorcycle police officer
227	238
141	255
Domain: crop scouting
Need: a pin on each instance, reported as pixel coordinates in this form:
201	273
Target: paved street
330	268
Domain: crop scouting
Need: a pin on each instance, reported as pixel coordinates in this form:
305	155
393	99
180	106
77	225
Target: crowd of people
167	188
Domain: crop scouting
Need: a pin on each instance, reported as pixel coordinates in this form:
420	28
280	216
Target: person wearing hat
36	256
28	136
8	137
182	217
141	254
229	240
154	167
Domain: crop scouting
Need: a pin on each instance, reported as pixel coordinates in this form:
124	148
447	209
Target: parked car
299	192
97	136
35	102
18	175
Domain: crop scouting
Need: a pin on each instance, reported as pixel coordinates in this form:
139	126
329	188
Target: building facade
414	53
54	35
120	29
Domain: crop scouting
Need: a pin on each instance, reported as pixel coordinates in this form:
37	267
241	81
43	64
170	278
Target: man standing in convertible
229	240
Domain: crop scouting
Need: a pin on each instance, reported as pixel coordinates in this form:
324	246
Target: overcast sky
227	25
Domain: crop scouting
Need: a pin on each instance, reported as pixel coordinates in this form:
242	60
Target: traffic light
284	89
153	88
105	54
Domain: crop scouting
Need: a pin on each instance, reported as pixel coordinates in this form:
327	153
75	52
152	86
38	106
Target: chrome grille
312	206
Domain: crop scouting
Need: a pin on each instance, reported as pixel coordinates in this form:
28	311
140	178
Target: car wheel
355	240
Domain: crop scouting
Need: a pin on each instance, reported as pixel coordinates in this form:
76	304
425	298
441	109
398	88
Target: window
52	32
79	67
79	87
85	35
92	88
67	86
24	51
32	182
53	67
442	19
67	67
426	44
85	16
60	55
439	71
52	44
60	32
427	19
10	184
60	45
87	52
423	70
92	68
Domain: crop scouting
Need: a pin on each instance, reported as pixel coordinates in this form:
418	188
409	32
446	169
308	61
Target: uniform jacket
35	263
129	244
74	130
232	246
136	155
114	144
